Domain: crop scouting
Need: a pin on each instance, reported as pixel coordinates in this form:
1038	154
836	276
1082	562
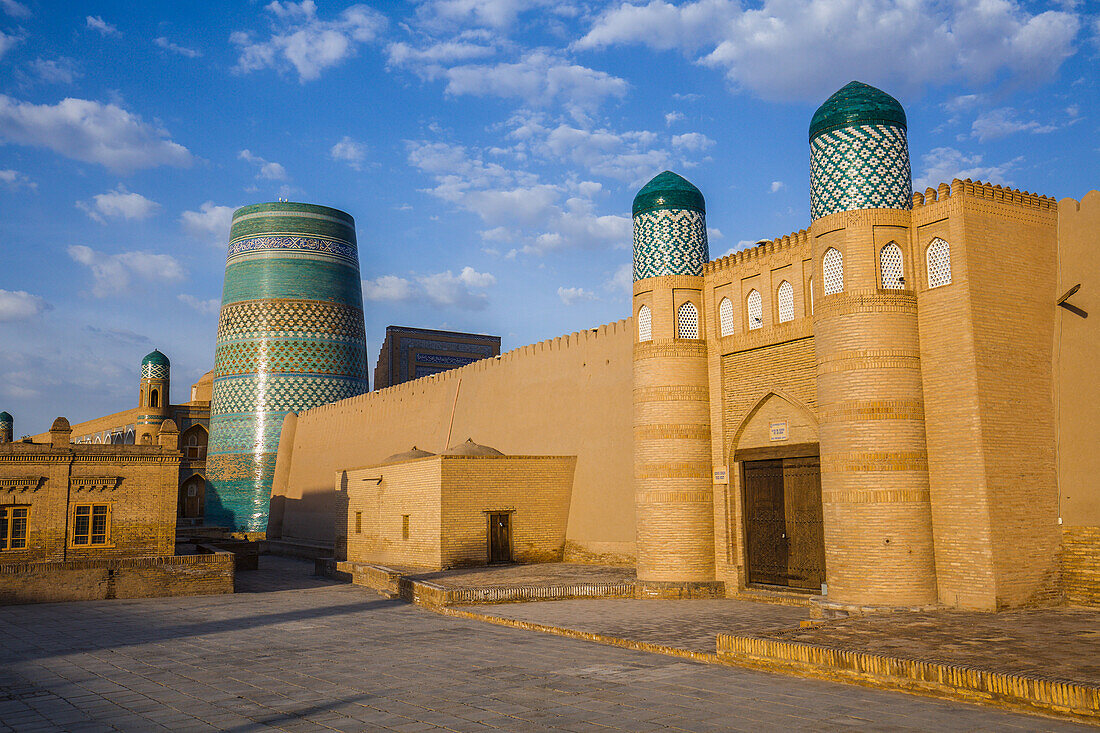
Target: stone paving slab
296	653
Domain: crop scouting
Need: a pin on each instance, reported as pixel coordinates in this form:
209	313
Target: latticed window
687	321
91	524
725	316
786	302
756	309
832	271
889	262
939	263
645	324
13	527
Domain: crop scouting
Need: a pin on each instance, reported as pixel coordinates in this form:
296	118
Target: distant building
411	353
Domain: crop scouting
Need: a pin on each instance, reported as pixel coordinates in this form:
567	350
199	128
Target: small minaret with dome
7	427
153	396
673	492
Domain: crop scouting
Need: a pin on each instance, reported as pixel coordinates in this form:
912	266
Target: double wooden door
784	537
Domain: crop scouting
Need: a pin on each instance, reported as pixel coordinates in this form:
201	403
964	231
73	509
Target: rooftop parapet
983	190
762	249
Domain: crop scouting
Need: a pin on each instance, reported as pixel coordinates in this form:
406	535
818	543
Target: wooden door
500	537
804	529
765	522
784	535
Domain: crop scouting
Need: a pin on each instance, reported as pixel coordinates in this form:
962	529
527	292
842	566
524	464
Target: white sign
778	430
720	475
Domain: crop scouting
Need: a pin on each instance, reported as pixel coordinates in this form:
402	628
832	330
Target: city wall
570	395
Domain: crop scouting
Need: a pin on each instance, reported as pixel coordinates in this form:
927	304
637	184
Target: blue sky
488	149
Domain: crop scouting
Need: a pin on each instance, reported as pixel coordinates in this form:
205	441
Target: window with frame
645	324
939	263
785	298
91	525
890	267
832	271
687	321
13	527
755	306
725	316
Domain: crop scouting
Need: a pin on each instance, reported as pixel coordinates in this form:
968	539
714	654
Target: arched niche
754	437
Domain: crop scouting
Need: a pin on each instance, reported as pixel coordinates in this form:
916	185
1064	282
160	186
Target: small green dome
155	357
668	191
857	102
5	417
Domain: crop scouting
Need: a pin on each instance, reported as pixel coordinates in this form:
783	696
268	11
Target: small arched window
889	264
756	309
785	299
810	290
832	271
725	316
645	324
687	321
154	398
939	263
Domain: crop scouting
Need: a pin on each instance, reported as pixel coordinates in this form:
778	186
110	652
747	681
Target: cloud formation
113	274
941	165
13	180
998	123
15	9
210	222
206	307
19	305
443	289
91	132
61	70
301	40
572	296
167	45
96	23
267	169
899	44
349	151
119	204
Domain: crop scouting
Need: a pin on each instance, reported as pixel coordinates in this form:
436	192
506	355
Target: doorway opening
500	537
784	535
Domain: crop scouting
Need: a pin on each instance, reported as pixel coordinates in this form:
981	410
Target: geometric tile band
154	371
670	242
290	319
278	356
250	394
263	243
864	166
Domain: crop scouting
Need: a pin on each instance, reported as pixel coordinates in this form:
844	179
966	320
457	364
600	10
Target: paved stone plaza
294	652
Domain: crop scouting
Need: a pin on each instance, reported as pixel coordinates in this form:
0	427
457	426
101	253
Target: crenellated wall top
762	249
986	191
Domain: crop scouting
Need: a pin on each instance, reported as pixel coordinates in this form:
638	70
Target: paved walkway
296	653
559	573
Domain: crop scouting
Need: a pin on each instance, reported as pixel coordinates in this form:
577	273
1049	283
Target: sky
489	150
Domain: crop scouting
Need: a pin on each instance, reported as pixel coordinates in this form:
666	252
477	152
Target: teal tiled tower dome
670	228
859	154
7	427
290	337
155	365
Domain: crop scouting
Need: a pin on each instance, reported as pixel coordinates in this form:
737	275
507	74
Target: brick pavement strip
364	657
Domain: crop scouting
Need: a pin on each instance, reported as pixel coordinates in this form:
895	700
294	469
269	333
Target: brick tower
7	427
874	467
672	457
290	337
152	397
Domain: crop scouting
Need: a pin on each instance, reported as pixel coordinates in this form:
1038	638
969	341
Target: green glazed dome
155	357
857	102
5	417
668	191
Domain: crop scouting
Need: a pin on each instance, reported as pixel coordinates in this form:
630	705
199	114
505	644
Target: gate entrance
500	537
784	537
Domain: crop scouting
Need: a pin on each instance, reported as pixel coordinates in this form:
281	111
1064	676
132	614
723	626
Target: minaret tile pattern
291	336
859	153
670	228
7	427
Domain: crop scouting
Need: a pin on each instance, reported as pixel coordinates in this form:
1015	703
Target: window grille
725	316
756	310
786	302
645	324
13	527
889	261
832	266
939	263
91	524
687	321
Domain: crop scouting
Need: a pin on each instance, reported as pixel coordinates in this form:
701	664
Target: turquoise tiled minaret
859	154
7	427
290	337
670	228
153	396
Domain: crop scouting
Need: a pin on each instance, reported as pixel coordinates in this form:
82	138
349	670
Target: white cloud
96	23
671	117
693	141
90	132
14	180
113	274
499	15
539	78
15	9
349	151
7	42
433	55
55	71
268	170
776	49
167	45
622	281
302	40
119	204
206	307
210	222
572	296
941	165
1003	122
777	186
19	305
444	289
